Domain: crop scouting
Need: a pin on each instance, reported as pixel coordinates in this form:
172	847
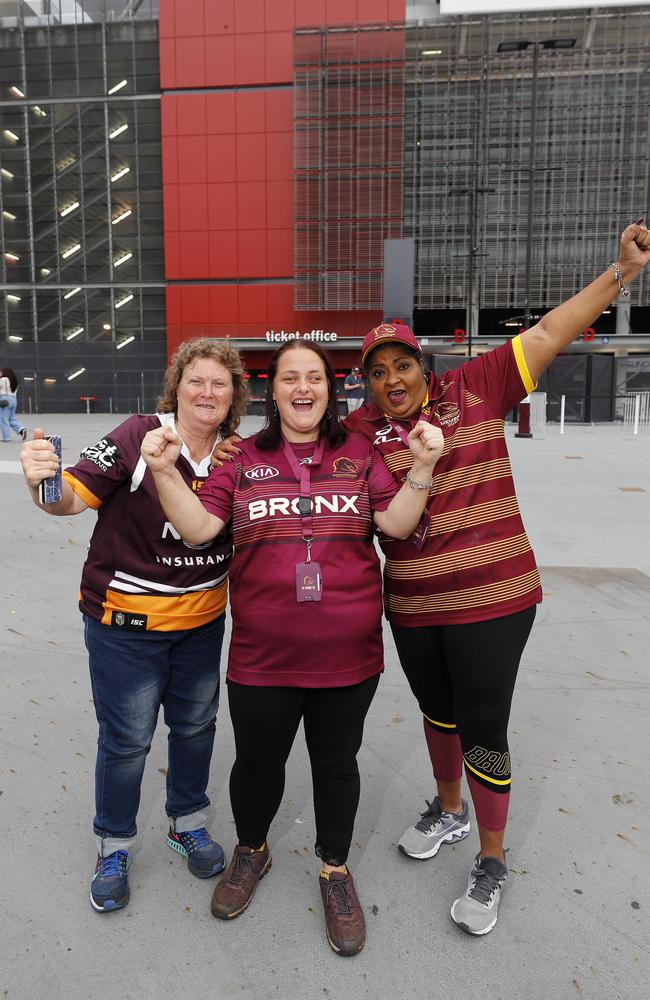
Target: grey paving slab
575	920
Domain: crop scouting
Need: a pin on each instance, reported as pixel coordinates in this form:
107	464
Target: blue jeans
132	675
8	416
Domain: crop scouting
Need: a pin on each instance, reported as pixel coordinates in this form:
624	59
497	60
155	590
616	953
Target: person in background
154	611
460	594
8	401
355	389
305	583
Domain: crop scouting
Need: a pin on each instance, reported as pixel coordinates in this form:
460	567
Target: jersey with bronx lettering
277	641
139	574
476	562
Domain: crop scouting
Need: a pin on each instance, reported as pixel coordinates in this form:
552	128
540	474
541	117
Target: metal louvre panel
348	162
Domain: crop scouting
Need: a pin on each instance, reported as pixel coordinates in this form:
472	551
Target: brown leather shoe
239	881
344	920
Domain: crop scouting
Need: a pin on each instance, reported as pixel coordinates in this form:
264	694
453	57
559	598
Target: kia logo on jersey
261	472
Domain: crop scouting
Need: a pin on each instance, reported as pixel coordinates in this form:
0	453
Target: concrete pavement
575	918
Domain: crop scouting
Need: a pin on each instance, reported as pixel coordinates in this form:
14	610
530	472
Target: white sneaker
434	828
476	912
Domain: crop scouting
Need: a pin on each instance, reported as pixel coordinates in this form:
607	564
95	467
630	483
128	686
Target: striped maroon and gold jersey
277	641
476	562
139	573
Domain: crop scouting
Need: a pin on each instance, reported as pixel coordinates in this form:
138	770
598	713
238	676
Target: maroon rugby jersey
476	562
140	574
276	641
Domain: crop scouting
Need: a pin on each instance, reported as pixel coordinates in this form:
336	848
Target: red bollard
523	419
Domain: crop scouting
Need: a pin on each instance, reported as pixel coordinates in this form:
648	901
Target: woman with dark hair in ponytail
304	496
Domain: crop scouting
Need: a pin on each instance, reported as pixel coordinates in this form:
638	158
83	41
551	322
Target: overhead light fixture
123	302
28	378
123	259
65	162
124	343
606	312
49	381
74	333
14	337
13	298
70	208
11	135
78	372
39	111
513	46
45	271
118	131
69	253
6	173
558	43
13	257
512	323
73	291
9	215
124	215
118	86
106	326
16	91
120	173
432	52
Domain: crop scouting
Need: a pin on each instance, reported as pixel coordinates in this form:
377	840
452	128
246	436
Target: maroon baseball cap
389	333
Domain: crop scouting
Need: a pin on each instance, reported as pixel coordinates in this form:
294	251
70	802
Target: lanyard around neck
302	472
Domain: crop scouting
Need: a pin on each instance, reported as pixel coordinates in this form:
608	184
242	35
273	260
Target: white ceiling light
106	326
74	333
6	173
45	271
123	302
9	215
73	291
79	371
124	215
118	86
70	208
14	337
13	298
11	135
120	173
123	259
432	52
125	342
17	91
69	253
49	381
40	113
118	131
13	258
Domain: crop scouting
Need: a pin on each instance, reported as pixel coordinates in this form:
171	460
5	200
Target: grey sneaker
434	829
476	912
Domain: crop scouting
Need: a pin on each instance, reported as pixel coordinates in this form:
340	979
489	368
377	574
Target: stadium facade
209	167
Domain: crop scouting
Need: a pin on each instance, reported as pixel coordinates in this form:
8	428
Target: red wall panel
228	162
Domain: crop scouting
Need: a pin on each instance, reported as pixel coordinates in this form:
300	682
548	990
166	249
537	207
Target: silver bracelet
622	287
415	485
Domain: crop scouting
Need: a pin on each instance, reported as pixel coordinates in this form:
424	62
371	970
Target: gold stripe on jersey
460	559
169	614
472	597
486	430
520	358
480	513
471	399
486	777
82	491
470	475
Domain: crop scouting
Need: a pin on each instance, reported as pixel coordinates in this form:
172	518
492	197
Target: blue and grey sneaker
476	912
434	828
205	857
109	889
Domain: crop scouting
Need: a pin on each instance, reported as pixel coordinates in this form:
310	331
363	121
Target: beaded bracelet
622	287
415	485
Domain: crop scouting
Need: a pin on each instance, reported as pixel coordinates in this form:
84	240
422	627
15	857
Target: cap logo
385	330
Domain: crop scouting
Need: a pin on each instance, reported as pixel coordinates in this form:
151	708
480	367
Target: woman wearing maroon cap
303	497
460	593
